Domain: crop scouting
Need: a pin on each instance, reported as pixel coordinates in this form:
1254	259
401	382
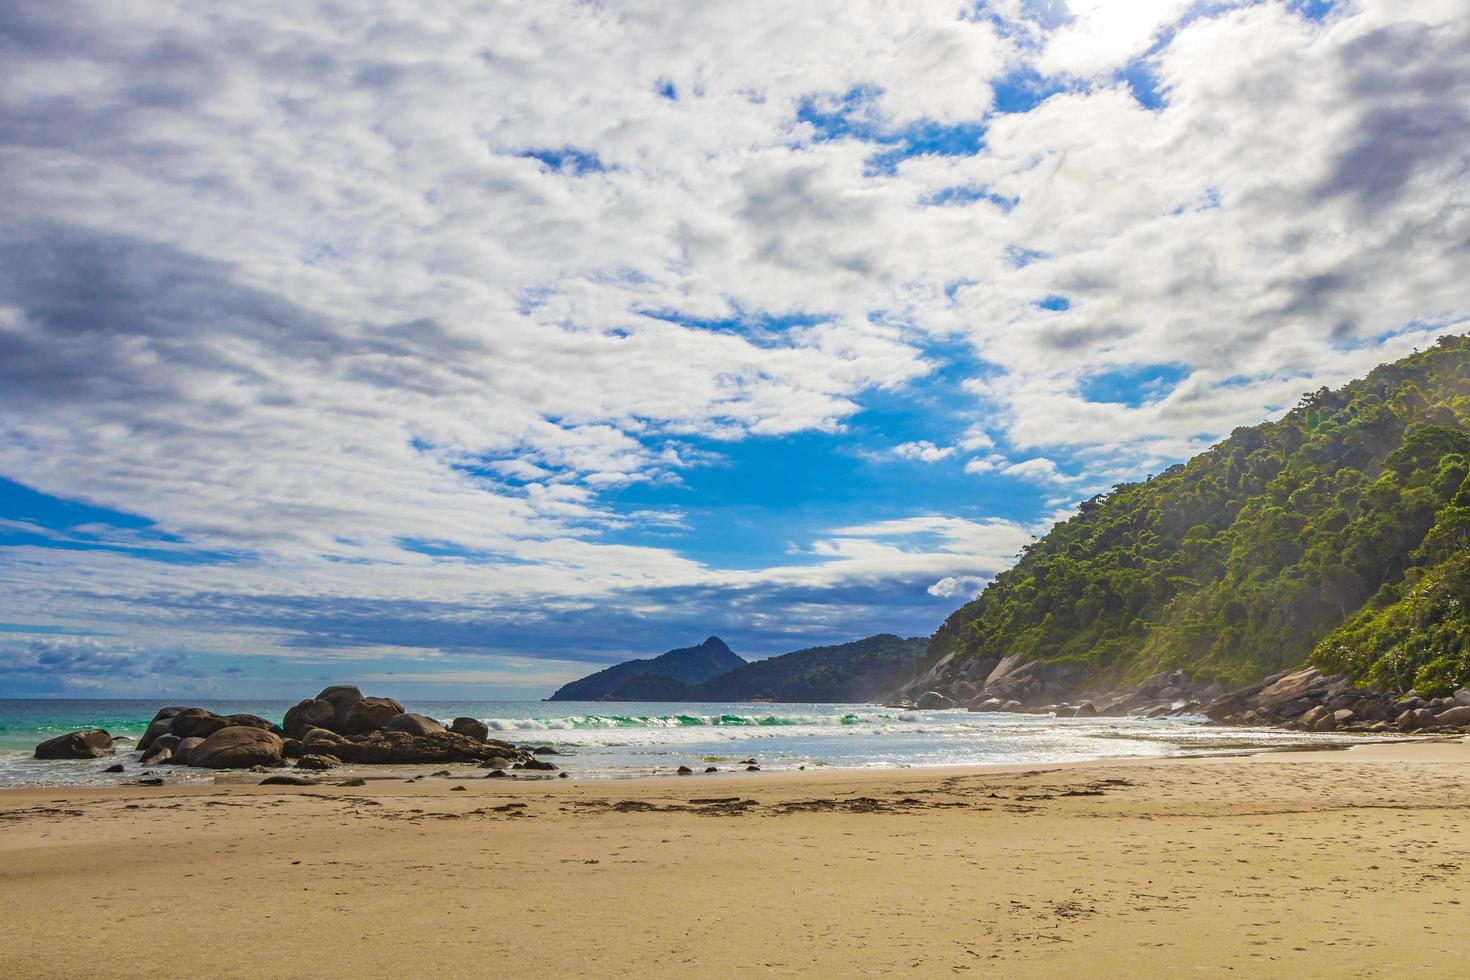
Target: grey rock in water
91	743
185	749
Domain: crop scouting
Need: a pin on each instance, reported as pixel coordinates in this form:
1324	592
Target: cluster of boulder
1304	699
1309	700
1033	687
337	726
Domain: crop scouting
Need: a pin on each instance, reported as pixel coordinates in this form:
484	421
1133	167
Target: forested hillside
1340	535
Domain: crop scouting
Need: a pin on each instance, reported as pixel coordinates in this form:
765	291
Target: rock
284	780
399	748
193	722
165	748
1325	722
752	768
498	762
1011	706
341	697
934	701
684	771
149	781
1158	711
291	748
353	782
305	715
370	715
471	728
538	764
1459	715
711	769
1414	719
544	750
157	756
1085	710
321	742
238	747
1311	716
162	720
747	762
983	703
562	775
251	721
185	749
93	743
116	767
319	763
1344	716
456	789
1461	697
412	724
497	774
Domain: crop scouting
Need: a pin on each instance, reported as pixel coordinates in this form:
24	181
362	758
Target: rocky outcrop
237	747
339	725
93	743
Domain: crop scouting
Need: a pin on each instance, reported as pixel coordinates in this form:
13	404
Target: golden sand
1340	864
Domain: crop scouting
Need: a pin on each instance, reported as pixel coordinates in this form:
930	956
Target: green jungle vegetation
1339	536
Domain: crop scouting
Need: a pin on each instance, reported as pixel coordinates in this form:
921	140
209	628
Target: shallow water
599	739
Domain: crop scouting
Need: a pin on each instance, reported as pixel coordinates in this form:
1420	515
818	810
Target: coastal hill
860	671
1338	536
687	665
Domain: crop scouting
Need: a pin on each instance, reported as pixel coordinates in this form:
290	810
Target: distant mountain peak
688	665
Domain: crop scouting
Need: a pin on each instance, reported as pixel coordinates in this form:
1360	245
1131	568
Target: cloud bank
372	330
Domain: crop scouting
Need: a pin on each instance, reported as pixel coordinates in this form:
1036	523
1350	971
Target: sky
460	349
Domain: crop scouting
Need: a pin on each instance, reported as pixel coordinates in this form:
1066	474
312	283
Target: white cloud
300	297
961	586
923	451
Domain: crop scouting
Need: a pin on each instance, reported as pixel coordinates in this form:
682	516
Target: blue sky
393	345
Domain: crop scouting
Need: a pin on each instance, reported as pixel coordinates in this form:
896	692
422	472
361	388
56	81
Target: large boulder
315	713
185	749
401	748
163	749
934	701
341	697
413	724
237	747
1459	715
471	728
192	722
163	719
1299	690
369	715
92	743
319	741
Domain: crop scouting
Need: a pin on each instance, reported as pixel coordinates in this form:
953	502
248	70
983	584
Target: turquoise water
598	739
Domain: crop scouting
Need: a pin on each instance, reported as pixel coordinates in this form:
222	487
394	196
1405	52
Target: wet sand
1302	864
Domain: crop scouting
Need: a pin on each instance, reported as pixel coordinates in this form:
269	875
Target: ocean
603	740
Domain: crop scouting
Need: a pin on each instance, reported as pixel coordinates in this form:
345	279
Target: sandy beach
1302	864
